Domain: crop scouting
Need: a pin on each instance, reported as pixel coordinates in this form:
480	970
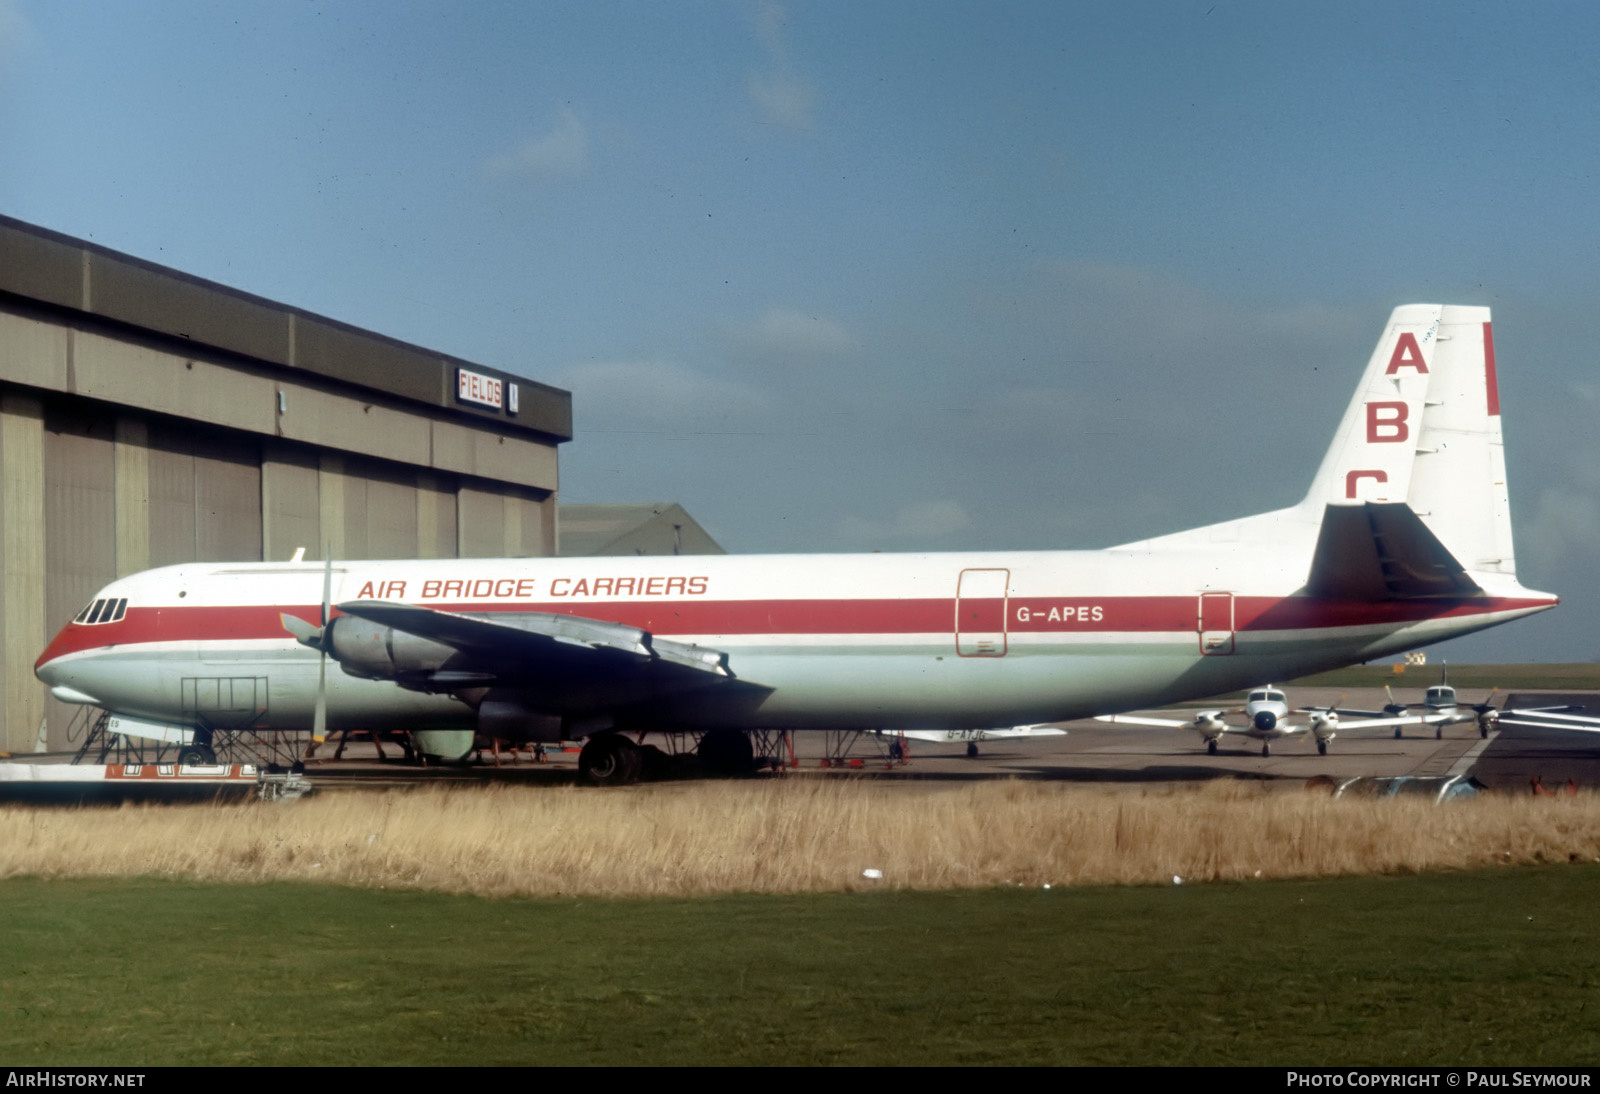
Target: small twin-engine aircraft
1439	708
1266	712
972	736
1403	539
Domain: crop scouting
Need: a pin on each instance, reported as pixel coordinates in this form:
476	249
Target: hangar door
981	612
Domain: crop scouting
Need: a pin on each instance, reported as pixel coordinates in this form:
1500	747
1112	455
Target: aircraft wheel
196	756
1322	748
972	750
726	752
1483	731
1438	733
1266	750
1397	733
1211	747
609	759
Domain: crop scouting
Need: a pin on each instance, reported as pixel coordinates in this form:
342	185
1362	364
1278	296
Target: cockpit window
105	610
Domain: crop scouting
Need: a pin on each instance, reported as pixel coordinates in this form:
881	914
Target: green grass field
1483	968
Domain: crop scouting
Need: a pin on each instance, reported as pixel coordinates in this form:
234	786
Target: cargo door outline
982	604
224	702
1215	624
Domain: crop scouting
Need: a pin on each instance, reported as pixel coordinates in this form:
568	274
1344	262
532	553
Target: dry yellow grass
795	836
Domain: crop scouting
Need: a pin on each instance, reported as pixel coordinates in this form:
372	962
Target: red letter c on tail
1354	477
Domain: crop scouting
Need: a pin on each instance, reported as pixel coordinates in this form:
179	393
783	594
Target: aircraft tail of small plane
1410	499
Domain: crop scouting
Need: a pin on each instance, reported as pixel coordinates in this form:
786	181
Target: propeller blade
319	719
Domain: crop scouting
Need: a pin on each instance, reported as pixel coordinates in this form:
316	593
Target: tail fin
1423	431
1410	499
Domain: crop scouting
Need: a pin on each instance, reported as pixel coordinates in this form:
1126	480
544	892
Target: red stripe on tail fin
1488	369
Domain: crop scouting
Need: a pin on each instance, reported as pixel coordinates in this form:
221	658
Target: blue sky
882	275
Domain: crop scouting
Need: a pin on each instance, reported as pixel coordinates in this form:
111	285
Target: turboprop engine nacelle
1324	722
377	652
509	716
1210	725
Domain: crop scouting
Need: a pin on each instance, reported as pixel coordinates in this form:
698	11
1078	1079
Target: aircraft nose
1265	720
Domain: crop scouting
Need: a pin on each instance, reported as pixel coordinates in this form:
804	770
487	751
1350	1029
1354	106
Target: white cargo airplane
1404	539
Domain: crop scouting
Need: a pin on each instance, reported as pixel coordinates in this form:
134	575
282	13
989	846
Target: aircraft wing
1131	720
1550	718
1351	712
572	662
1393	720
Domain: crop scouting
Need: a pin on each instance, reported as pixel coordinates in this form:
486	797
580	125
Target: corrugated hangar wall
149	418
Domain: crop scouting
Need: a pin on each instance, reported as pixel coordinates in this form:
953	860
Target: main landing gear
726	752
612	759
1211	746
199	753
609	759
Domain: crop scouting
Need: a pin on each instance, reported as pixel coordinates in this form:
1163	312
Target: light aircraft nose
1265	720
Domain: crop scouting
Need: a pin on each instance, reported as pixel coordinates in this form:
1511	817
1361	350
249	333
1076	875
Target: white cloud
564	151
917	524
787	334
778	94
660	396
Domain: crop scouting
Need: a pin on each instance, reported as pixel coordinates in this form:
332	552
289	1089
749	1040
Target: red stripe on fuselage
1113	614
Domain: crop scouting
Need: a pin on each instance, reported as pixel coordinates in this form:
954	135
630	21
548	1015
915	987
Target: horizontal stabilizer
1378	551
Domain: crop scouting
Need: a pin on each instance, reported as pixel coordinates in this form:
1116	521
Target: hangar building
149	417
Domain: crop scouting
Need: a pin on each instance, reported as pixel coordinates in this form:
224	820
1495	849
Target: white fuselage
866	641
